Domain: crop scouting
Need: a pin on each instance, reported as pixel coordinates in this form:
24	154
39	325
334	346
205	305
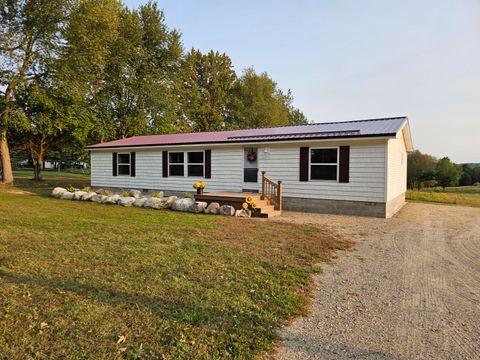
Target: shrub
71	188
105	192
156	195
86	189
187	195
125	193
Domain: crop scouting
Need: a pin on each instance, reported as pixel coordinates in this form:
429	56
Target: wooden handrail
272	191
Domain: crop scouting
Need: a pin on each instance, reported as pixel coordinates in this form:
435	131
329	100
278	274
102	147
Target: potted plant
199	185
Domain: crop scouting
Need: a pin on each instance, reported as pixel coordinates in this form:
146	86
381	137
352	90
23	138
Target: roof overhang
407	136
248	142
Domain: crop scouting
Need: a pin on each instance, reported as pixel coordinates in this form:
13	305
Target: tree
205	91
257	102
447	173
295	115
137	92
29	39
420	169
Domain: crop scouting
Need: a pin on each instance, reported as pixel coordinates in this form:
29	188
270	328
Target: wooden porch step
266	209
271	214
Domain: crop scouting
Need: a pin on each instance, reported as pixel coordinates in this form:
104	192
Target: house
351	167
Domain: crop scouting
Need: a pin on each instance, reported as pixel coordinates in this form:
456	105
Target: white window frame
186	163
321	164
129	164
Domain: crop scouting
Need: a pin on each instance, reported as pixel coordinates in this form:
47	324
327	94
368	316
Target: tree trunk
37	152
7	174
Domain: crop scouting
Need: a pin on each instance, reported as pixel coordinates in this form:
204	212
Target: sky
350	59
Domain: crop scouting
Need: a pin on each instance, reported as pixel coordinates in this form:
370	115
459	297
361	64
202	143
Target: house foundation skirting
345	207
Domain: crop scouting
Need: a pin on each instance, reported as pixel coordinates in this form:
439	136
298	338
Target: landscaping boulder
243	213
183	204
67	195
77	195
99	191
140	202
153	203
100	199
89	196
198	207
227	210
126	201
212	208
135	194
58	191
158	194
169	202
112	199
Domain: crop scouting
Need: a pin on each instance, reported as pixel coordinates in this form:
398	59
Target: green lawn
461	195
87	281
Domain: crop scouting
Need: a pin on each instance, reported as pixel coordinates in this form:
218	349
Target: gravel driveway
410	289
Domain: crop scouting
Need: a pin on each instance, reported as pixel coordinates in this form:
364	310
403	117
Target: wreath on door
252	156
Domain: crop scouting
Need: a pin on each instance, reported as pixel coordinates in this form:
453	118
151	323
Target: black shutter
165	163
132	164
208	164
114	164
304	153
344	171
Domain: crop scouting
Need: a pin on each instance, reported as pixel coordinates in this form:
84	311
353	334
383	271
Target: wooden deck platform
236	200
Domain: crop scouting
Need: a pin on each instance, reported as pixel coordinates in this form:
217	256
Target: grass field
461	195
87	281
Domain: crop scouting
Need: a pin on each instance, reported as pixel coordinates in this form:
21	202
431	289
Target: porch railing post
279	195
263	184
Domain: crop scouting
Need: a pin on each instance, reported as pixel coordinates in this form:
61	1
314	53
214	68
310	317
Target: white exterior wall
281	162
227	171
367	172
396	167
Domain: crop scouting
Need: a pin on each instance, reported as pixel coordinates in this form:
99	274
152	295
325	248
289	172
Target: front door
250	169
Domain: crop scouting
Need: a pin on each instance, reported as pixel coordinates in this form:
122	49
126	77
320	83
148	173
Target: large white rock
126	201
243	213
89	196
67	195
227	210
169	202
153	203
135	193
158	194
198	207
77	195
112	199
139	202
183	204
58	191
100	199
213	208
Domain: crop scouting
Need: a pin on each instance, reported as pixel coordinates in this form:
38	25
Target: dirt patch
411	289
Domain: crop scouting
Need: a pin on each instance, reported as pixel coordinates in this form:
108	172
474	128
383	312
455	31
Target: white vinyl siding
227	171
396	167
367	174
280	161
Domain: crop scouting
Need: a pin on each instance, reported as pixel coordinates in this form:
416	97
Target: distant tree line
77	72
426	171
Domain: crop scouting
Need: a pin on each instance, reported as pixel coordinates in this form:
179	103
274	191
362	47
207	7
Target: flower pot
199	191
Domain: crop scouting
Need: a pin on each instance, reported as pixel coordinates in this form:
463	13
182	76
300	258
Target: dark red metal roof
344	129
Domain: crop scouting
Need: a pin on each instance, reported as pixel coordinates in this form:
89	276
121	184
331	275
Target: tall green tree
204	87
257	102
30	37
420	169
137	92
447	173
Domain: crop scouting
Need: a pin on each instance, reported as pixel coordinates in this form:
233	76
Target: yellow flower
249	199
245	205
254	206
